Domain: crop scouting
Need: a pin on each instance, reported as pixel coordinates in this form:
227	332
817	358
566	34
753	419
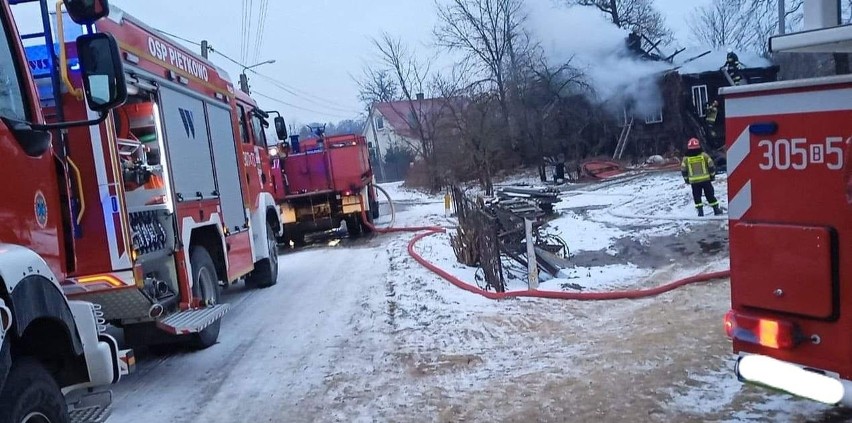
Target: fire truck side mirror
103	71
86	12
281	128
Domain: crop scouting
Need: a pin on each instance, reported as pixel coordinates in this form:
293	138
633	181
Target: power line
303	108
243	28
248	33
262	17
290	91
178	37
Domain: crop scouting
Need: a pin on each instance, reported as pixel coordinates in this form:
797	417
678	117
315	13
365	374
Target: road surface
276	346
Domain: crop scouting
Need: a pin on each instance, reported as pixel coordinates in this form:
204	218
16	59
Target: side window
259	133
243	125
700	98
12	103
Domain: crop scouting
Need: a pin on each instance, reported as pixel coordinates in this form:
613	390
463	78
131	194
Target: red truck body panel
791	215
341	165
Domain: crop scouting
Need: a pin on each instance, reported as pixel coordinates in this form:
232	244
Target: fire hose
428	231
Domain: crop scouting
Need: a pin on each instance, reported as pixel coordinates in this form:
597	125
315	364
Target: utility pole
244	85
782	17
205	49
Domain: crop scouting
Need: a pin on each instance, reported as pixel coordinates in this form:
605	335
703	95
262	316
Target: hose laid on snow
578	296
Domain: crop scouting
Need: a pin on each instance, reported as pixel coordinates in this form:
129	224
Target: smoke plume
584	37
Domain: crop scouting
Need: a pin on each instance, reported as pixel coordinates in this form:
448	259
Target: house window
380	123
700	99
654	117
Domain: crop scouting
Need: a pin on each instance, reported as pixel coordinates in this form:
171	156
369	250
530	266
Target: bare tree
377	86
475	126
720	24
630	14
488	33
411	75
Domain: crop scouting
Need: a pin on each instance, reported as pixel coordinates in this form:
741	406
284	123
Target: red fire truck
170	198
789	148
49	346
322	181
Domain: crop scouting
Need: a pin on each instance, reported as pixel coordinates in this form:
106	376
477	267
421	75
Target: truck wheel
206	287
265	273
353	225
366	225
374	204
30	395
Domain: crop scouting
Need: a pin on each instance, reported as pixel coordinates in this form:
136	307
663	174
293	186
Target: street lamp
244	85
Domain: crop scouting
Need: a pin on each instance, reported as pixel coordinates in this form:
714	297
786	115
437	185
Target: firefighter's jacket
711	113
698	168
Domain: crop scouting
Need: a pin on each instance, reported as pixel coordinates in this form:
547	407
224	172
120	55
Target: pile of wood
489	230
528	202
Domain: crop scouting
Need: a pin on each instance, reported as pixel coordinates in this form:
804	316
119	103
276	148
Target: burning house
686	91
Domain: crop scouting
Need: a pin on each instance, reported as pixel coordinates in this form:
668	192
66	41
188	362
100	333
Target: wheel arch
266	213
211	239
47	325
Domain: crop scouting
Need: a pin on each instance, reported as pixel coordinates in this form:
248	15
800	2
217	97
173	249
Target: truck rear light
770	333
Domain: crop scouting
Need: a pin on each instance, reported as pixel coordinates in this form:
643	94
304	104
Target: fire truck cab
54	353
790	182
169	199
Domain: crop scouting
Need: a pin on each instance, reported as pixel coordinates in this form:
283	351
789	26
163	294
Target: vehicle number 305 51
798	154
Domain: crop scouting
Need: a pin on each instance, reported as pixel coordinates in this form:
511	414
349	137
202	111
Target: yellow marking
109	279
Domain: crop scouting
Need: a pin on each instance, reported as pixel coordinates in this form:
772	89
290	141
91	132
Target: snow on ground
362	333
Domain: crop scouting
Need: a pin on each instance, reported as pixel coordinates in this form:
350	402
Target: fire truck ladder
624	137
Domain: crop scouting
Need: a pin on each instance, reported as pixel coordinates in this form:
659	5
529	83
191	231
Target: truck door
188	144
227	171
30	212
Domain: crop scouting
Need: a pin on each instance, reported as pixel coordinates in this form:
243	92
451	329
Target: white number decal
830	149
798	149
782	156
770	159
785	154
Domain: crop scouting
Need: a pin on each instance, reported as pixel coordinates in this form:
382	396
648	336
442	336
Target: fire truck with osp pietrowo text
169	199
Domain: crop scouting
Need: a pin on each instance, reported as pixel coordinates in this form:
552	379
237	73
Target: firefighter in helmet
732	65
711	112
699	171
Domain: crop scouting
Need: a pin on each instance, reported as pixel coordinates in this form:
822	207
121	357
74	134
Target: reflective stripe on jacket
698	168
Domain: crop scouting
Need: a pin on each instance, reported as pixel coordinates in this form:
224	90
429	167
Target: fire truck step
93	408
193	321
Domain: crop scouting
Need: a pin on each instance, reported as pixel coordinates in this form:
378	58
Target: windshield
259	134
11	94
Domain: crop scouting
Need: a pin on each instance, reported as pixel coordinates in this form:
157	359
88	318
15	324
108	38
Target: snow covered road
361	333
276	346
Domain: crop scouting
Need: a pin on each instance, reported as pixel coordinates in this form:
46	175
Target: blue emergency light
763	128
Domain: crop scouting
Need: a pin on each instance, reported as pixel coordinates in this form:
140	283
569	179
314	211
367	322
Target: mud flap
193	321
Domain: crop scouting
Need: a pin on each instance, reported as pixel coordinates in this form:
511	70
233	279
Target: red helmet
693	144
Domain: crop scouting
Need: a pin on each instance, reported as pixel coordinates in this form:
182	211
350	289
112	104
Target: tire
353	225
30	395
366	226
374	204
205	286
265	273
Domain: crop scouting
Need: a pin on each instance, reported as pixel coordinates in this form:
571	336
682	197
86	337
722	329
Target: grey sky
318	45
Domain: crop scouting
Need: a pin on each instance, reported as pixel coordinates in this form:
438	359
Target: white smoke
598	48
